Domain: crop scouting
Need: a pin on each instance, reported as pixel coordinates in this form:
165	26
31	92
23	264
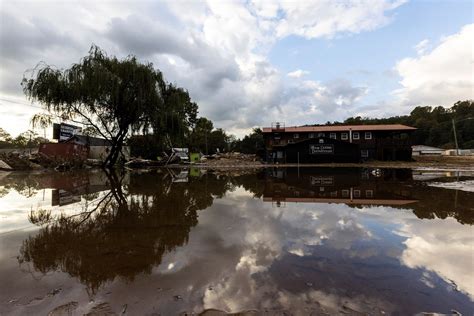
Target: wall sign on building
322	181
323	149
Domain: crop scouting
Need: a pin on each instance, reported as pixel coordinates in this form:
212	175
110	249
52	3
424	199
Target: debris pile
143	163
231	159
173	158
36	161
16	161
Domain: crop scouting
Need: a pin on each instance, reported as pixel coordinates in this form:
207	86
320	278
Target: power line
21	103
38	107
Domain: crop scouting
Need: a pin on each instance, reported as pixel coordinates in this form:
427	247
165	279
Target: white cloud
422	46
309	101
298	73
442	76
314	19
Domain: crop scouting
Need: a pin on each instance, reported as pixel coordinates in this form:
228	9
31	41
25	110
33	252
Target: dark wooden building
337	143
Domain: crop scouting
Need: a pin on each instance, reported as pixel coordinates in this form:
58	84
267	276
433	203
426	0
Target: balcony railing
278	126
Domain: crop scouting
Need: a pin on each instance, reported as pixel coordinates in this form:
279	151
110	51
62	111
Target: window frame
366	155
333	134
344	136
356	135
368	134
296	135
311	135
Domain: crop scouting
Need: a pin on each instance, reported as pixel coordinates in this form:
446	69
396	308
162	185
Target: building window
368	135
357	193
369	193
332	135
345	193
364	153
290	141
311	135
355	135
320	134
333	193
296	135
344	136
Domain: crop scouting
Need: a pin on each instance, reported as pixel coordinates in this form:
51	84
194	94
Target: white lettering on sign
67	131
323	149
322	181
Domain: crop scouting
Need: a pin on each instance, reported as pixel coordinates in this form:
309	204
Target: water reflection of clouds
14	208
439	245
268	234
442	246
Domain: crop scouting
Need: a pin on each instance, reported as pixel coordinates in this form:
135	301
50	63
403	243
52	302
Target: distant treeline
28	139
434	124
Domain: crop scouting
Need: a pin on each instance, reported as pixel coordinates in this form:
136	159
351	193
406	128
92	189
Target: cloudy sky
253	62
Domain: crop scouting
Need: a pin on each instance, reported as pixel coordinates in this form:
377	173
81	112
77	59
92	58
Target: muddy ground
419	162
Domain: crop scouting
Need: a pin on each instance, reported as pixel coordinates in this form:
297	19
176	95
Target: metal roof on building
341	128
426	148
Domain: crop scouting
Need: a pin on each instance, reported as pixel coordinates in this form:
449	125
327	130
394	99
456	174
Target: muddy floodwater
272	241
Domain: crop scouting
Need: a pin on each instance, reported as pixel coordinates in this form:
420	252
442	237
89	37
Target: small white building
98	148
421	150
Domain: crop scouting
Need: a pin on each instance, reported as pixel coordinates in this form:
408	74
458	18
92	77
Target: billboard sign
321	149
63	131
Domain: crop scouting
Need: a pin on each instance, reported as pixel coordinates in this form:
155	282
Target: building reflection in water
348	186
397	188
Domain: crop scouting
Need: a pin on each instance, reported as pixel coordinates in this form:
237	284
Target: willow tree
178	117
111	96
42	120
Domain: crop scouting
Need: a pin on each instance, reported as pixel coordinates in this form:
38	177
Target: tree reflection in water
127	232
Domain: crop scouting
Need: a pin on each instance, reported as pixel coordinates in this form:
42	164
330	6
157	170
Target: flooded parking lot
272	241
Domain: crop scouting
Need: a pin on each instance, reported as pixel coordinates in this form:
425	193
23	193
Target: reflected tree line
127	227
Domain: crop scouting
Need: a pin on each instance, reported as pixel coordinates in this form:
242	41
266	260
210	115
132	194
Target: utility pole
455	135
455	138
